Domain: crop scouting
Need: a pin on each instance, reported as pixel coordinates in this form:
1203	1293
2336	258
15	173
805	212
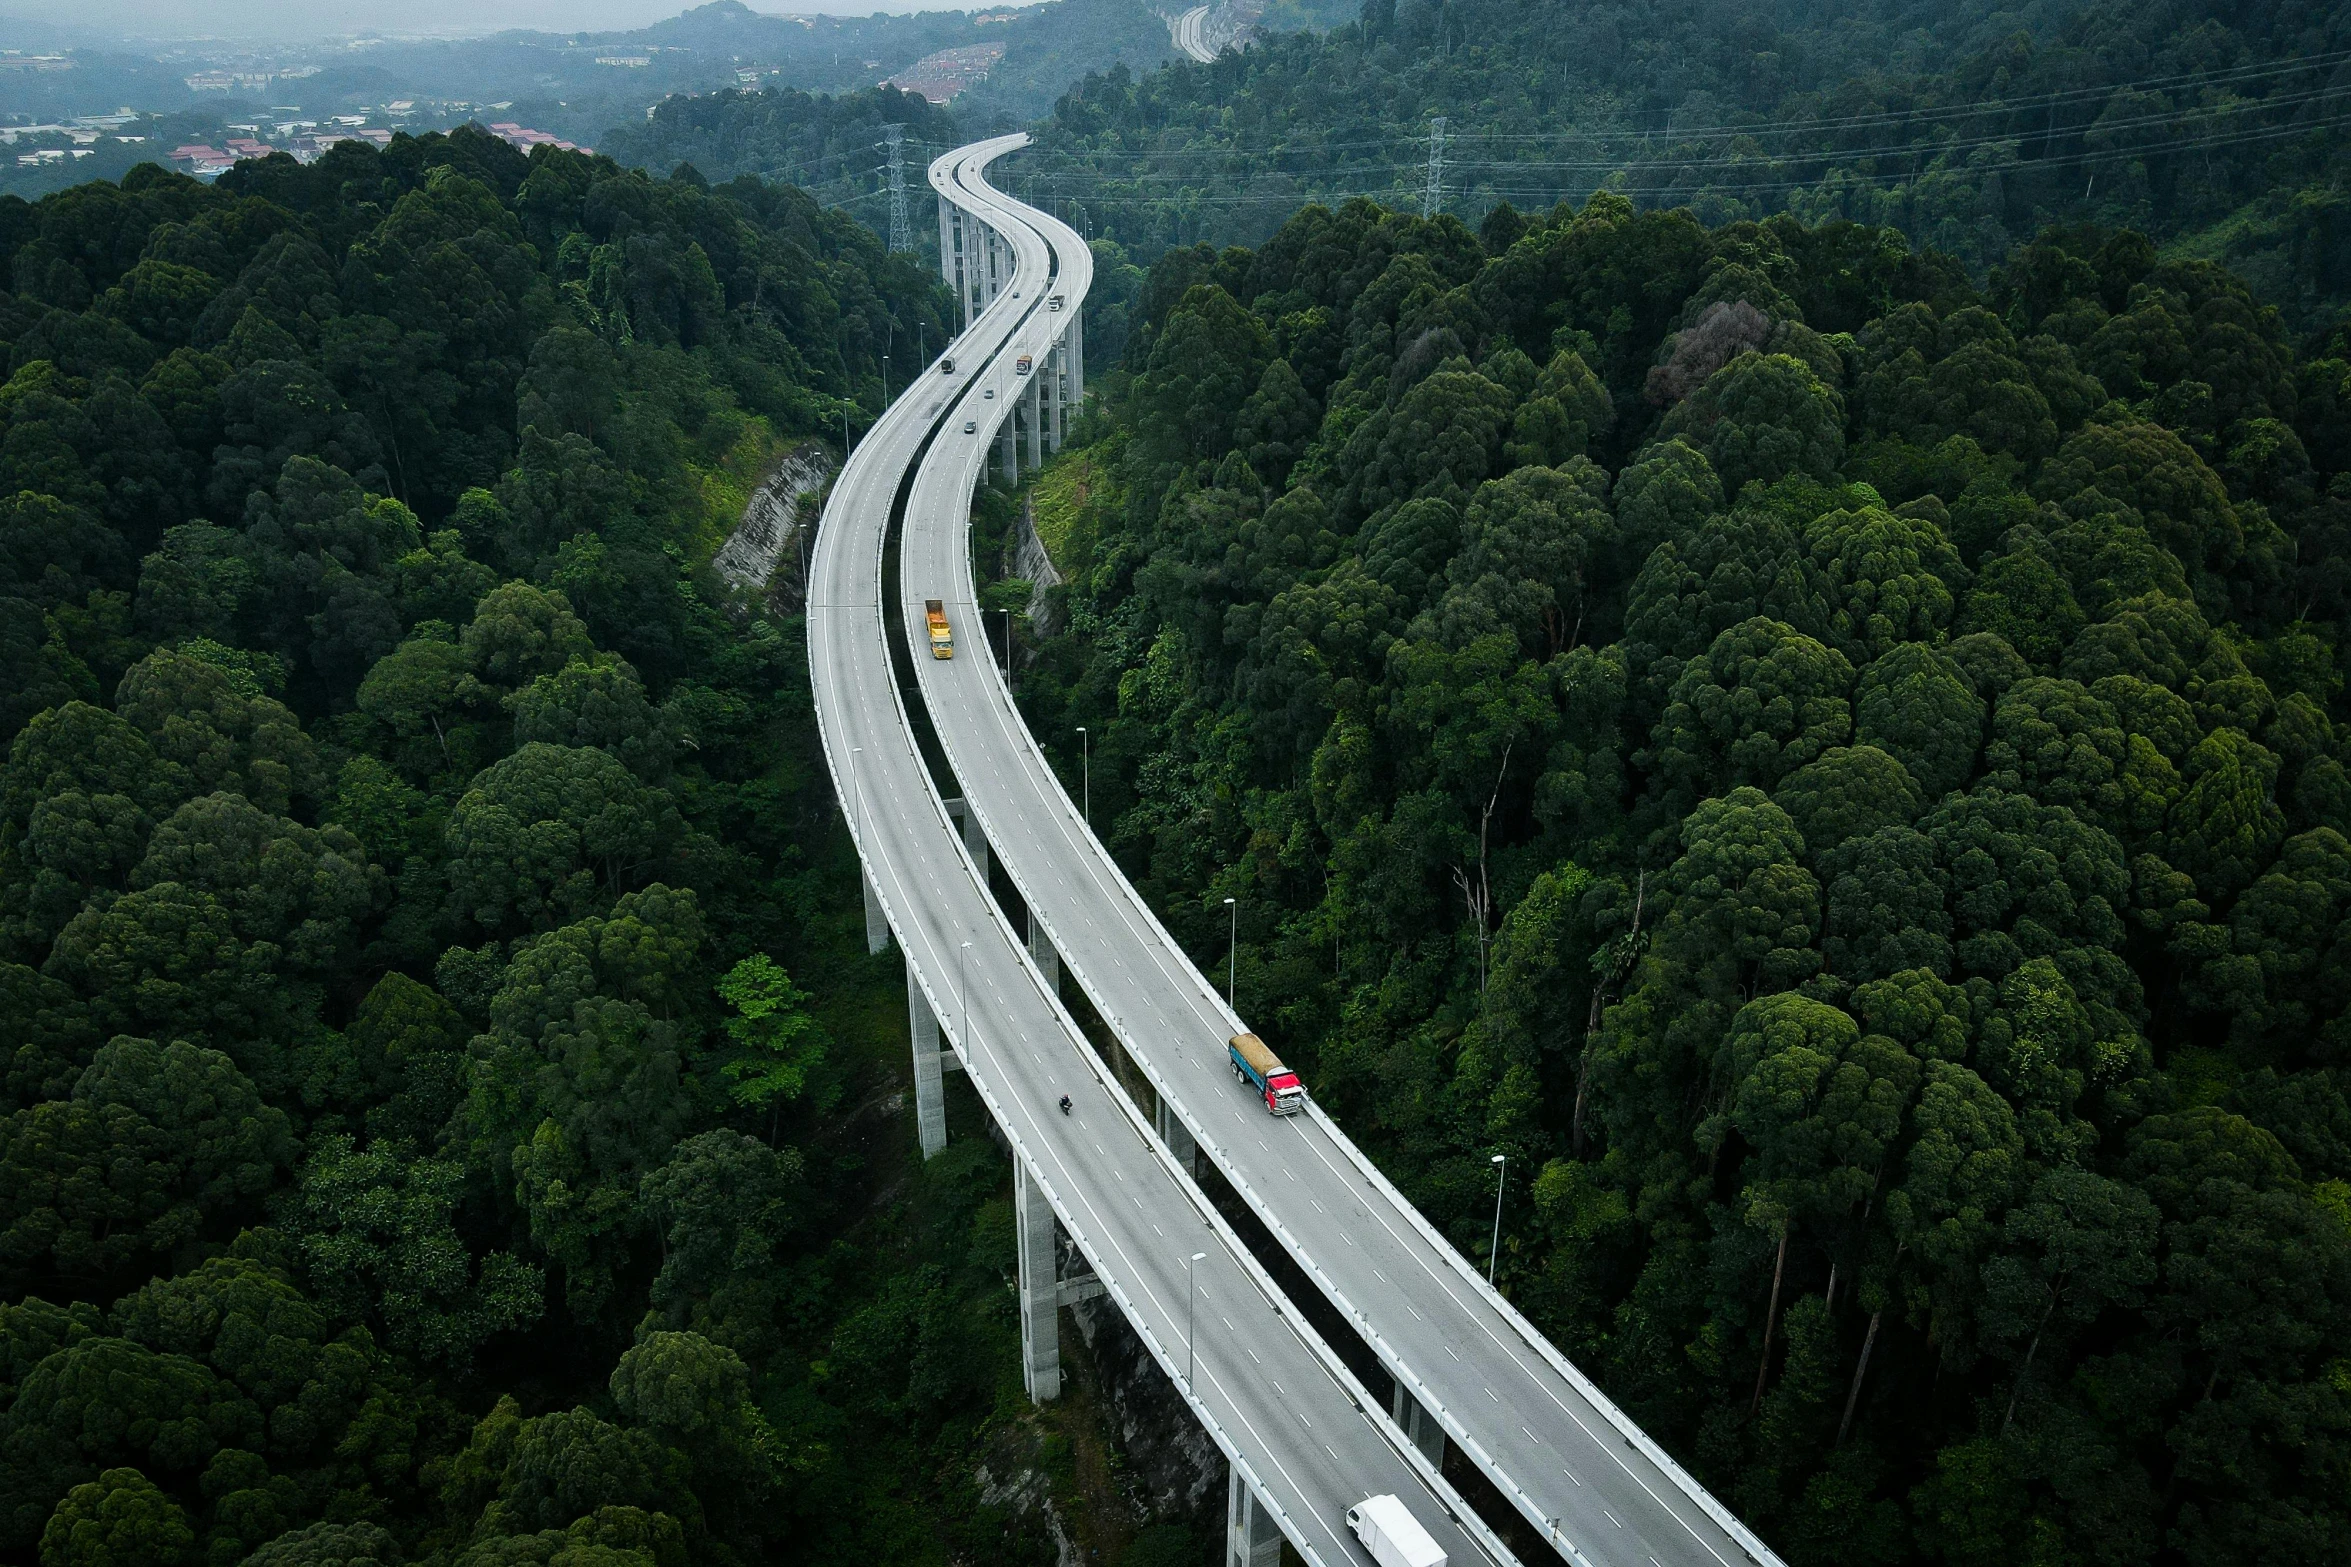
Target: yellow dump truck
942	639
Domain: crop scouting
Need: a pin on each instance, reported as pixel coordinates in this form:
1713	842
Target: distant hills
580	84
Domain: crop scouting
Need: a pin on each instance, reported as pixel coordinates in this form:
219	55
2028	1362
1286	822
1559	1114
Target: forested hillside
2216	129
1837	772
442	1116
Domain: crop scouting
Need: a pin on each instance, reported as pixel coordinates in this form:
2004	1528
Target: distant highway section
1574	1465
1190	33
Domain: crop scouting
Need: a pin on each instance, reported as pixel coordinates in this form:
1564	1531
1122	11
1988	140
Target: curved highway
1190	34
1306	1436
1573	1465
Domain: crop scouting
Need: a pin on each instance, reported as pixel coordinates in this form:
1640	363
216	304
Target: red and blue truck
1262	1070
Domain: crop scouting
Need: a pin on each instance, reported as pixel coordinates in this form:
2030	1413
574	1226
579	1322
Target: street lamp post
1198	1256
1232	951
1501	1174
885	380
1086	772
844	427
963	1001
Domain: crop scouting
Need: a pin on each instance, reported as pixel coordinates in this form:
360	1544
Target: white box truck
1389	1531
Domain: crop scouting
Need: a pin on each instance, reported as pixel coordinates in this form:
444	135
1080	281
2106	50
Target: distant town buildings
15	60
83	132
306	141
523	137
249	81
203	160
939	77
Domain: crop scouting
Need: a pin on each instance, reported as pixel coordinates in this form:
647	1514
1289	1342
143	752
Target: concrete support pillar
975	266
1009	458
1060	391
947	247
1420	1427
1040	1287
930	1095
974	839
966	262
1033	410
1177	1136
1047	960
1077	359
1250	1537
877	924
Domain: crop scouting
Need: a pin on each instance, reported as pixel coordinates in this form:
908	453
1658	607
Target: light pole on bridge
1198	1256
1501	1174
1232	951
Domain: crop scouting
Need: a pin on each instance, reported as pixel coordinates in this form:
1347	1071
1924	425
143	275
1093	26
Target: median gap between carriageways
918	712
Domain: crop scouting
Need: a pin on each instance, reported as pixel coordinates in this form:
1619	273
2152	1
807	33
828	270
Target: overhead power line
2090	158
1963	144
2039	104
2208	119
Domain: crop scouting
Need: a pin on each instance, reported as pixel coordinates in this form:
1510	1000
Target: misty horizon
100	23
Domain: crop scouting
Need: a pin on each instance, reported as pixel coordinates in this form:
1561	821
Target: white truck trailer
1392	1535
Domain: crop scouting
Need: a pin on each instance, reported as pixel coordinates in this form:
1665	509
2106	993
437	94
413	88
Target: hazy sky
249	19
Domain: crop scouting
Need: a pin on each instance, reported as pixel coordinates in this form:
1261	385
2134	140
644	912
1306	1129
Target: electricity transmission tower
901	232
1432	195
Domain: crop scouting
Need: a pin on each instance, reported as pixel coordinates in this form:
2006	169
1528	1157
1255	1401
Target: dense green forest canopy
1837	772
413	1142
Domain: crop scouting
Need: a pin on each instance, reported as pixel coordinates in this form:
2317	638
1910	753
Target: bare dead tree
1869	1342
1771	1317
1478	895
